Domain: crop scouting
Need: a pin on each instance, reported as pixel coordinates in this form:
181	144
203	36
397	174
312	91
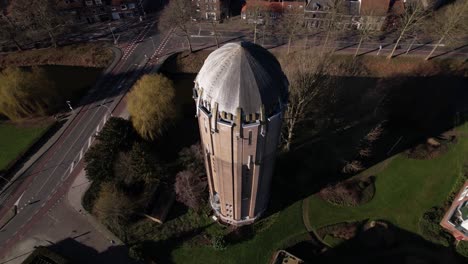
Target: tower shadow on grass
382	245
413	108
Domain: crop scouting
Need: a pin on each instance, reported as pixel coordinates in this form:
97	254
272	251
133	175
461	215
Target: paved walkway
314	237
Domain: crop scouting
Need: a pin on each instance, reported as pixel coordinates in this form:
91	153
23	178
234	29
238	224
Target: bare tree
449	24
10	30
178	14
332	19
214	24
257	11
409	21
309	84
291	24
39	14
190	189
268	27
366	31
353	167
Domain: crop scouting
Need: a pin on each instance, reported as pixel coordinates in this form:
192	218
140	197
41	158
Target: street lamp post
112	32
108	109
142	9
154	46
69	106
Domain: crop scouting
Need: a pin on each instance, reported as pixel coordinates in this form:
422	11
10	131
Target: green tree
117	134
25	93
99	160
115	209
151	105
139	169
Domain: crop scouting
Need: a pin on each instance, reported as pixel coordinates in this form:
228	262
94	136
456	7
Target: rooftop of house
275	7
283	257
354	7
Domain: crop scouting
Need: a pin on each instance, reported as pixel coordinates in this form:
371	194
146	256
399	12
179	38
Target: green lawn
285	229
71	84
15	140
405	189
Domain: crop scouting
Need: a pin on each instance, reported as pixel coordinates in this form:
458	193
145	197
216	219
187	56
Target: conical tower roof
242	75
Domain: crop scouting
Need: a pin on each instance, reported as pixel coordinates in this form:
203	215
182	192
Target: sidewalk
81	183
74	197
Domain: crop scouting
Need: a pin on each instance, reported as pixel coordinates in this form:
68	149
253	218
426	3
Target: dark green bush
462	248
431	229
90	196
218	242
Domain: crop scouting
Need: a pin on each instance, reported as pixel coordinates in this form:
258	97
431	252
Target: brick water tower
240	94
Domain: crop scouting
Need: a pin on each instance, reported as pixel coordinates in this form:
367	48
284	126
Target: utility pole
142	9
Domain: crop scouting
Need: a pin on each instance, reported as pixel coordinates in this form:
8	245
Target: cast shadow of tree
78	252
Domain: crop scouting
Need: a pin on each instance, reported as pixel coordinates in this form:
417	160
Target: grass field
15	140
71	84
286	228
405	189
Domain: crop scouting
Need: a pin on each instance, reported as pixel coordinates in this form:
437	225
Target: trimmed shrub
431	229
218	242
462	248
90	196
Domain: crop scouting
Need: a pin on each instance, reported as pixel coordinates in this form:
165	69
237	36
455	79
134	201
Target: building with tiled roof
254	10
352	13
211	10
92	11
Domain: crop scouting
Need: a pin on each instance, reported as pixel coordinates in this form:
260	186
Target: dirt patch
352	192
432	148
186	62
89	55
343	231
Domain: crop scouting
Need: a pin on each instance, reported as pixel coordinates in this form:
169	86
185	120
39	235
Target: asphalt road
203	36
35	190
